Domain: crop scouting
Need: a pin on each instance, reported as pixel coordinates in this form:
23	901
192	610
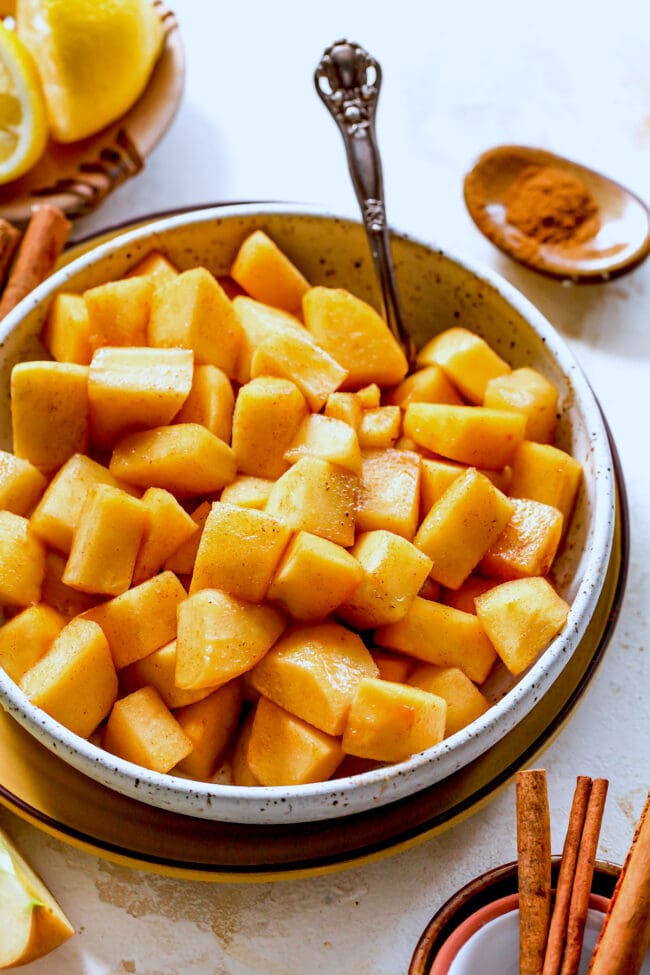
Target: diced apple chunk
21	484
441	635
521	618
292	356
158	670
327	438
526	391
547	474
260	321
210	402
467	359
528	543
313	672
317	497
389	493
314	577
380	427
49	412
267	274
184	458
472	435
465	702
142	730
285	750
268	413
22	561
118	312
25	638
220	637
426	385
210	725
154	265
461	526
75	680
393	573
66	333
239	551
356	335
248	492
168	526
390	722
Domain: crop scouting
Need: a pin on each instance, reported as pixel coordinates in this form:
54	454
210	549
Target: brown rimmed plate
78	176
53	796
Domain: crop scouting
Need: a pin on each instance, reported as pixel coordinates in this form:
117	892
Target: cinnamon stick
9	237
560	916
583	879
625	935
45	237
534	869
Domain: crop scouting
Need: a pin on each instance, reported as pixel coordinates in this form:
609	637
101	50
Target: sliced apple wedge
31	922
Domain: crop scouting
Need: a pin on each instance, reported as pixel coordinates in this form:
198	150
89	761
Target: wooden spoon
621	237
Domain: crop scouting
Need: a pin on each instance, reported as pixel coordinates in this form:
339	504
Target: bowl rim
331	799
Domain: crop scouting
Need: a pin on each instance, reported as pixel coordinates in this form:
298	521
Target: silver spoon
348	80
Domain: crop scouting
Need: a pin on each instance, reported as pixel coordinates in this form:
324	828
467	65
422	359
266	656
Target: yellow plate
77	177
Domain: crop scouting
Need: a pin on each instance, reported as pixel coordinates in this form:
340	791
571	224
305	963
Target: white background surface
458	78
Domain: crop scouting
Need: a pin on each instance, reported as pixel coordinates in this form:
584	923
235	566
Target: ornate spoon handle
348	80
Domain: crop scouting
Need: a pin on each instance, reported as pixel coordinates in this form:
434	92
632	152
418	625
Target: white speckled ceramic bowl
438	290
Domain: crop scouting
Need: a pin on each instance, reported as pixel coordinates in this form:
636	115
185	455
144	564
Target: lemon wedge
23	122
94	57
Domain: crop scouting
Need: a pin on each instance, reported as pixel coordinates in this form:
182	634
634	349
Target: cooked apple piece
260	321
25	638
118	312
49	412
461	526
248	492
547	474
528	543
466	358
141	620
21	484
182	560
64	599
267	274
154	265
134	389
314	577
211	402
526	391
318	497
241	770
465	702
390	722
268	412
184	458
431	589
75	680
389	492
369	396
285	750
435	477
220	637
210	725
33	923
57	514
142	730
192	311
292	356
380	427
313	672
472	435
426	385
521	618
356	335
392	666
345	407
158	670
66	333
327	438
463	597
106	542
393	573
441	635
22	561
167	527
239	551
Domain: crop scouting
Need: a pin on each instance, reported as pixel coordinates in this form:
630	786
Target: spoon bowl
621	240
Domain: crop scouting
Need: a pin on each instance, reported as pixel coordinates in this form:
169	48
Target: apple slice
32	922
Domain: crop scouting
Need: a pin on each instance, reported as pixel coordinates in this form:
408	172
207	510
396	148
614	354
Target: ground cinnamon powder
551	206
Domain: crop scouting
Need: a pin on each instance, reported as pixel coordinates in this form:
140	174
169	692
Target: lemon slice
94	58
23	123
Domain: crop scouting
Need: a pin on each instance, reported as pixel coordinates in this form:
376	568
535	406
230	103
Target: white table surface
458	78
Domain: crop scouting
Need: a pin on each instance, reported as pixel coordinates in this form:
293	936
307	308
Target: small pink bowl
487	905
